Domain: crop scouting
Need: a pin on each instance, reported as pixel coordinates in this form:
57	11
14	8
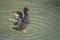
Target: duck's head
26	9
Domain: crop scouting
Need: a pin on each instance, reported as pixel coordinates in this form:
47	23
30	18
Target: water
44	20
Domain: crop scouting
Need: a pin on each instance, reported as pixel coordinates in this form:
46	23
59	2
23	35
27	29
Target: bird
25	20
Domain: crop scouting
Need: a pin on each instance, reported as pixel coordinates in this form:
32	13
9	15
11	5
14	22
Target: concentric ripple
44	20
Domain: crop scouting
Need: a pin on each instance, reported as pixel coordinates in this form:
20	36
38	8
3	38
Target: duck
25	20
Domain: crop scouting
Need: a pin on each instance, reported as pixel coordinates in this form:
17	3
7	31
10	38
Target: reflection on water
44	20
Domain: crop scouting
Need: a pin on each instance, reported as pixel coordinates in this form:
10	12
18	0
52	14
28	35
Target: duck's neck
25	12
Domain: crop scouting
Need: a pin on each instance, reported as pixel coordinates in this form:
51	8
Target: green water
44	20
